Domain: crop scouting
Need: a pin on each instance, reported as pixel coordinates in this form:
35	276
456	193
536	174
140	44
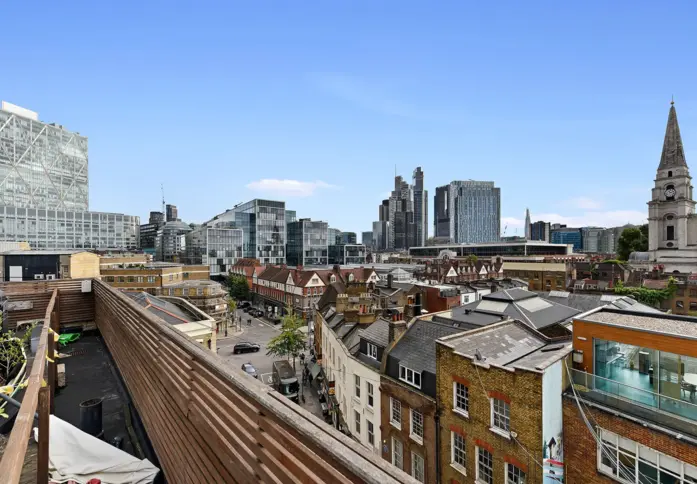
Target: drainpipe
437	418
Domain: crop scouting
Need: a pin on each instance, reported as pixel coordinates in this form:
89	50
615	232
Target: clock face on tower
670	193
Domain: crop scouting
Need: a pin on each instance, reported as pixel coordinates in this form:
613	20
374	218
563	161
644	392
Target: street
261	332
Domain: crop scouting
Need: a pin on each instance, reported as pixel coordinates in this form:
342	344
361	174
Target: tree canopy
290	342
651	297
239	289
633	239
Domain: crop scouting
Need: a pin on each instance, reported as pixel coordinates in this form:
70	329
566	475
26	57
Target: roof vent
478	355
552	348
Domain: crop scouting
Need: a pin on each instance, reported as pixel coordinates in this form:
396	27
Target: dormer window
350	277
371	351
410	376
332	278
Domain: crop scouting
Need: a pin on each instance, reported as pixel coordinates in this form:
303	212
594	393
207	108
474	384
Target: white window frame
357	387
357	422
414	458
395	403
410	376
476	464
371	432
495	428
371	351
456	408
371	396
414	424
521	473
459	467
397	457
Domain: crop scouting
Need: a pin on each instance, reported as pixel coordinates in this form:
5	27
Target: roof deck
206	421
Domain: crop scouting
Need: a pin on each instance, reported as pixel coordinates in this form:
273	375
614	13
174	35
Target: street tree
290	342
239	289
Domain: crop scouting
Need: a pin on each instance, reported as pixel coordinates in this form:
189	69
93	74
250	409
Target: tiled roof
416	348
377	333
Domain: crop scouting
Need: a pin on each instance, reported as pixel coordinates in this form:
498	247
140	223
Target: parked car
244	304
256	313
249	369
248	309
245	347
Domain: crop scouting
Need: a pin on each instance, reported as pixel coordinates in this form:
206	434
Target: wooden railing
208	422
39	393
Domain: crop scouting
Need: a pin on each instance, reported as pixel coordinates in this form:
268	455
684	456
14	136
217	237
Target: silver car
249	369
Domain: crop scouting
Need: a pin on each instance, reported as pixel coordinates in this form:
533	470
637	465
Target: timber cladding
209	423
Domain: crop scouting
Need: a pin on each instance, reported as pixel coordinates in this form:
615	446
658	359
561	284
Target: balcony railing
600	388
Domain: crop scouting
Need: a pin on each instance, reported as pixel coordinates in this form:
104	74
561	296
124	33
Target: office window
514	475
457	452
417	467
461	398
358	422
396	412
357	385
485	470
369	386
500	415
372	351
371	433
397	454
416	429
410	376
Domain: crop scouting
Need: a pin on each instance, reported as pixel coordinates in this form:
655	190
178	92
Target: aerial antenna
162	187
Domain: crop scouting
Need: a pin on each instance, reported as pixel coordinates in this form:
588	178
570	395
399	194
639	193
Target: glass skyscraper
308	243
218	247
475	217
44	188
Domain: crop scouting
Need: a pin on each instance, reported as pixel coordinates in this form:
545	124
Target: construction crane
504	230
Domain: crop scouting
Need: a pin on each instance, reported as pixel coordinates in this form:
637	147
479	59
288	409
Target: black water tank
91	417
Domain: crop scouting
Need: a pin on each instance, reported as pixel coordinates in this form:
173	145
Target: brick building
631	415
408	399
451	271
249	268
541	276
499	394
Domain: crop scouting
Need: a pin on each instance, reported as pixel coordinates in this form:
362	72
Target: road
261	332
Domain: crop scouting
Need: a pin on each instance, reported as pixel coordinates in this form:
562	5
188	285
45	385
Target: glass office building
347	254
568	236
67	229
218	247
41	165
307	243
170	242
476	212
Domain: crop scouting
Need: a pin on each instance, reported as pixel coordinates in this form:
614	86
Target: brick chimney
396	329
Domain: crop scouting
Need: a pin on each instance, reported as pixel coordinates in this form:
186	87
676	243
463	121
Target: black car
245	347
244	304
248	309
256	313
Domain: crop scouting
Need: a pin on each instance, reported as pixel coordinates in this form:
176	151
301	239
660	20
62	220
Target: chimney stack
396	329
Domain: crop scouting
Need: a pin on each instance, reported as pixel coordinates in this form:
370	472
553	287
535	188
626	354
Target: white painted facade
339	365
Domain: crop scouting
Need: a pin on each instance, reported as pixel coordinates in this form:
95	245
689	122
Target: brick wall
409	399
581	450
524	392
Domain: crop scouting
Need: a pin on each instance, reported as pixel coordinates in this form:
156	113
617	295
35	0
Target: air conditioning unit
50	277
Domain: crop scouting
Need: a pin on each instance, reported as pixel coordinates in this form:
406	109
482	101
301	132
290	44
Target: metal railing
640	396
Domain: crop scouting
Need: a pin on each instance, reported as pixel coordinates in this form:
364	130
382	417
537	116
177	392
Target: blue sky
563	106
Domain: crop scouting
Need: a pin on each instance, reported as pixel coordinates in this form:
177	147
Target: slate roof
588	302
378	332
517	303
416	348
510	344
673	153
165	310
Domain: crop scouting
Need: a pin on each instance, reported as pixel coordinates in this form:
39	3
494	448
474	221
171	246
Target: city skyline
289	118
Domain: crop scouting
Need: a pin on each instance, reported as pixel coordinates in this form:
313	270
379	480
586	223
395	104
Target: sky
562	104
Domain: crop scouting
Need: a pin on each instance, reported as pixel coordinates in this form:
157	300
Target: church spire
673	153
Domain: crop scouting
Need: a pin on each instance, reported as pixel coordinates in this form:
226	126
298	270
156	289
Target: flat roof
491	244
45	252
668	324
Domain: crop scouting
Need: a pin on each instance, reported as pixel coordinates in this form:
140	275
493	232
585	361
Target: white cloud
585	203
612	218
288	188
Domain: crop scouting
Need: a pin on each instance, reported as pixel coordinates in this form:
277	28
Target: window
500	415
417	467
670	232
171	277
358	385
372	351
371	433
628	461
461	398
679	304
514	475
151	279
369	386
358	422
693	306
396	413
410	376
485	471
416	429
397	454
670	173
457	452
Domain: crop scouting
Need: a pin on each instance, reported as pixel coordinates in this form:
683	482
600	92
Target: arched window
670	173
332	278
350	277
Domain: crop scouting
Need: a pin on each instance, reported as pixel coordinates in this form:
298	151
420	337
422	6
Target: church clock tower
672	224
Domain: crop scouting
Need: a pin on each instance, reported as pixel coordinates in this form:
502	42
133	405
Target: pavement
261	332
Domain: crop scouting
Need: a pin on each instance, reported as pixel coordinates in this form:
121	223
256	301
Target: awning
315	369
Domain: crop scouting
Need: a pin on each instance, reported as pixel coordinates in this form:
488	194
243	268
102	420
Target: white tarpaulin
74	454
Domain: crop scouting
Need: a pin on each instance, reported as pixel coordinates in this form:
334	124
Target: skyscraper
441	212
468	212
527	224
420	207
